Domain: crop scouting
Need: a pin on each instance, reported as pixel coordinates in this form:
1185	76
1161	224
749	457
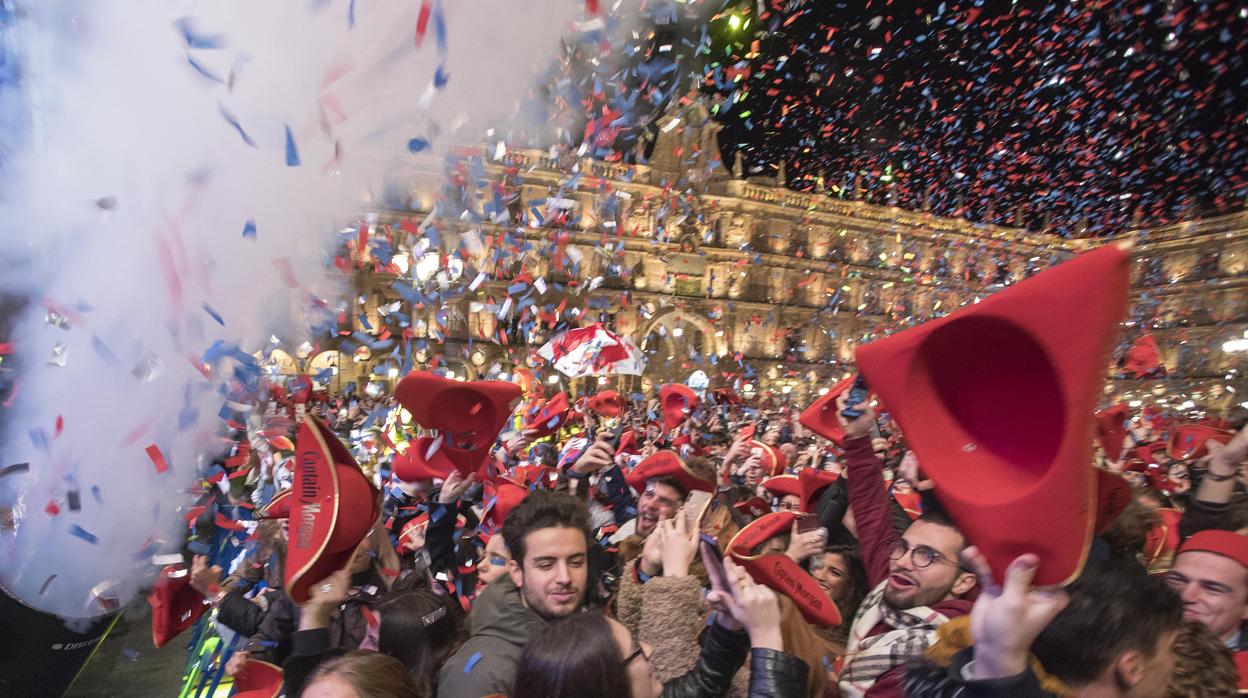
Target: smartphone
858	394
695	508
808	523
714	565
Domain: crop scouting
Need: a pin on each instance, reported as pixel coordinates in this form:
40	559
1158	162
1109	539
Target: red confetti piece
52	508
158	458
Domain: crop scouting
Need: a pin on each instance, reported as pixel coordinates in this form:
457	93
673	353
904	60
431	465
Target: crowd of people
960	535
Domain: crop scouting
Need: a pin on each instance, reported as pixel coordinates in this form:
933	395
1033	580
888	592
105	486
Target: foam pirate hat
678	401
499	503
996	399
608	403
754	506
1113	494
807	486
553	415
333	507
423	460
1111	430
667	464
278	506
774	461
175	605
783	486
779	572
820	417
468	415
258	680
1187	442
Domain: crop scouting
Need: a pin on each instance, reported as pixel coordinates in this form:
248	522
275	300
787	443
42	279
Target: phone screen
806	524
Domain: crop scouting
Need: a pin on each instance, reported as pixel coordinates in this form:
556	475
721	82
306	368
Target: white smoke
124	219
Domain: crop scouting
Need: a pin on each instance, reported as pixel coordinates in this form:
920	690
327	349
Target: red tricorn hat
258	680
1113	494
774	461
506	495
608	403
813	483
1111	430
469	415
725	396
678	402
334	506
553	415
1224	543
996	400
278	506
1188	441
175	605
778	572
820	417
423	460
783	486
754	506
667	464
628	443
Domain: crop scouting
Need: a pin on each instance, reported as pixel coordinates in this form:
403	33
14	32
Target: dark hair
371	674
421	629
940	518
543	509
573	657
856	583
672	483
1114	607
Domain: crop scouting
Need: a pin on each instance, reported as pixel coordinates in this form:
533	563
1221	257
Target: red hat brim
1225	543
754	506
1188	442
608	403
678	402
783	486
774	461
334	507
549	419
175	604
468	414
258	680
820	417
666	464
996	400
416	463
812	484
779	572
278	506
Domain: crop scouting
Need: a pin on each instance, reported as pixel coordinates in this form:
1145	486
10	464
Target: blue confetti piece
39	439
196	39
78	532
440	77
249	230
202	70
215	315
472	661
102	349
233	121
351	15
95	492
292	153
416	145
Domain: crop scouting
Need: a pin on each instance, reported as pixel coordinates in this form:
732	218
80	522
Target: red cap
608	403
334	507
1111	430
417	463
678	401
820	417
778	571
1188	441
468	414
666	464
553	415
1224	543
175	605
258	680
996	400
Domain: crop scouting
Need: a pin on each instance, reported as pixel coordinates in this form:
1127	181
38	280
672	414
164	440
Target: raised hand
909	469
1006	620
680	545
804	545
204	578
855	428
454	485
596	456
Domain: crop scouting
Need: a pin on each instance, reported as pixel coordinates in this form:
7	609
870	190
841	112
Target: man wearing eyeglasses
917	580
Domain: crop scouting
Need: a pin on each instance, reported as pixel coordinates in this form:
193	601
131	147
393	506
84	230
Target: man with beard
917	579
548	537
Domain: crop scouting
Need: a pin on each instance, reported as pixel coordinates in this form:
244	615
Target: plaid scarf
869	656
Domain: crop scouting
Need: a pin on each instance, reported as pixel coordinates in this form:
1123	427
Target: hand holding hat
679	545
750	605
1228	458
1007	619
454	486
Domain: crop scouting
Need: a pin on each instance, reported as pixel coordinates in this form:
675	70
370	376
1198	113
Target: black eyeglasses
639	652
920	555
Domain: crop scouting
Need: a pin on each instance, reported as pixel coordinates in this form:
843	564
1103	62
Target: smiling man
917	580
547	534
1210	573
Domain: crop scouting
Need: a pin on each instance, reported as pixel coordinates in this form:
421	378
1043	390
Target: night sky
1099	113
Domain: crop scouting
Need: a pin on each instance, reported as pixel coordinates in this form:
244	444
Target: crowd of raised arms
692	543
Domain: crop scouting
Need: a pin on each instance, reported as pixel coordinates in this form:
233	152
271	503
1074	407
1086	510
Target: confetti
158	458
78	532
14	469
249	230
292	153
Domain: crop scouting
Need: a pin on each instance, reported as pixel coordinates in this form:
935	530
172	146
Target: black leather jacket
931	681
772	674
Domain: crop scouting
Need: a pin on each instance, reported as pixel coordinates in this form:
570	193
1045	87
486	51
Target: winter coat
486	664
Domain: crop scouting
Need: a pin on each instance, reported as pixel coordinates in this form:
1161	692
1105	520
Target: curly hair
1203	666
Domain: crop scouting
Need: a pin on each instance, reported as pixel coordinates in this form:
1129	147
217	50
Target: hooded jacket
486	664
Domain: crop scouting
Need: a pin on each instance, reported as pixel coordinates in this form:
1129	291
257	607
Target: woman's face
832	574
494	563
636	658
